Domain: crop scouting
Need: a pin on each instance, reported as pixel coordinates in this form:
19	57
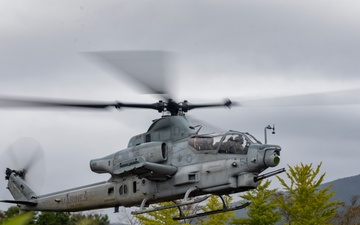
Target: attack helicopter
171	161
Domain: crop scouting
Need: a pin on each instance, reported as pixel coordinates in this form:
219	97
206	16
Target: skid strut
224	209
185	201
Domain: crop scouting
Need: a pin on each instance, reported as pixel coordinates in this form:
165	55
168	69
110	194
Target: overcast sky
241	50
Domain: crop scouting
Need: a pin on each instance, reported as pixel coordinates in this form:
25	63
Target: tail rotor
25	157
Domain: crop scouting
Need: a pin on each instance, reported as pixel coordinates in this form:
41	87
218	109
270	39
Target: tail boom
82	198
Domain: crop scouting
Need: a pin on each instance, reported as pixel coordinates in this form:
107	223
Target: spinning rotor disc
27	156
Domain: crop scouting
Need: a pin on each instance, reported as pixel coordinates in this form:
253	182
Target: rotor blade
10	102
13	159
38	102
186	106
206	127
37	154
346	97
25	153
148	68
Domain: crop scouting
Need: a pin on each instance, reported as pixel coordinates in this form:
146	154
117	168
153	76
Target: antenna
268	127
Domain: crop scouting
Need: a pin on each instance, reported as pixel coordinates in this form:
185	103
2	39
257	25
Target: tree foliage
304	202
166	216
349	214
51	218
263	207
160	217
125	217
20	219
88	219
13	216
214	203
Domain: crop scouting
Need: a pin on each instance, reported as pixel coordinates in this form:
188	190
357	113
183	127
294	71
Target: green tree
166	216
304	202
214	203
52	218
2	215
12	216
263	207
20	219
349	214
160	217
125	217
89	219
12	211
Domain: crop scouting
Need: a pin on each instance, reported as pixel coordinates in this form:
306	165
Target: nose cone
271	159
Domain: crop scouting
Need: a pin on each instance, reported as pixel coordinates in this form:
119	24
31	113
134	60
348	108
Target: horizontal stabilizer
28	203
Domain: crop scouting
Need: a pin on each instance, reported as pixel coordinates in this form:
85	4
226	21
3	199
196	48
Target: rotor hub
20	173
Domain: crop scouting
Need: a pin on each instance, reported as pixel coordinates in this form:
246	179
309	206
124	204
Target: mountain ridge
344	188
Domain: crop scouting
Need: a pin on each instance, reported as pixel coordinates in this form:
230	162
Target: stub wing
140	167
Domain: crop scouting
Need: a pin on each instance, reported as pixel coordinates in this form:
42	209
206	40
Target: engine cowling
155	152
102	165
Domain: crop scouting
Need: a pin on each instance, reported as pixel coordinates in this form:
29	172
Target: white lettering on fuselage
76	199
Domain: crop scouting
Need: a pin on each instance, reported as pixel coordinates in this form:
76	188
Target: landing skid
224	209
176	204
186	201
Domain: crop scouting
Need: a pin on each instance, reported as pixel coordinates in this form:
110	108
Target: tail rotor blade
26	155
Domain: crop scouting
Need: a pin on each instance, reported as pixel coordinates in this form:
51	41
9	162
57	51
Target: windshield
204	142
252	138
231	143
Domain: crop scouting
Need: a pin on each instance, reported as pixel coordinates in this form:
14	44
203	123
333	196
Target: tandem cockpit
232	142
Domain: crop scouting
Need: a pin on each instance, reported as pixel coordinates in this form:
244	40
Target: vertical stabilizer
18	188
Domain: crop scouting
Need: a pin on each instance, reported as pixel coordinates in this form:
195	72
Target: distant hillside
344	188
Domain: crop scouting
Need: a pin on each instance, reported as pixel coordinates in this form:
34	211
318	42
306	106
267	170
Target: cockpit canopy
232	142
